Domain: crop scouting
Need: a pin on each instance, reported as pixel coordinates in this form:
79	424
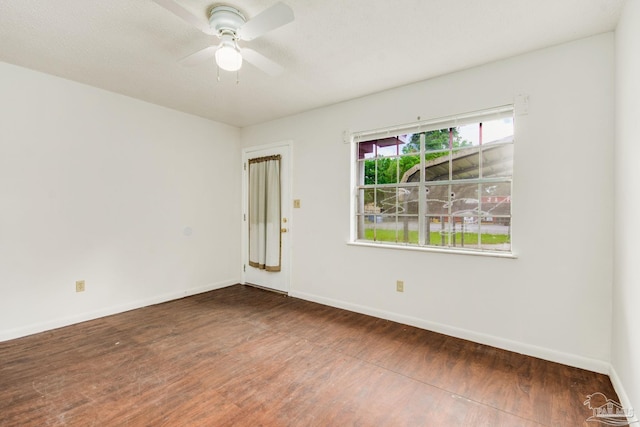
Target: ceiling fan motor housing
224	19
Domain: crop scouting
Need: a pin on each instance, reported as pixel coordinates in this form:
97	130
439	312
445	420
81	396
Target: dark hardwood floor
247	357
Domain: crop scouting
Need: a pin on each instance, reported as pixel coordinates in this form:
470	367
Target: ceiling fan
231	26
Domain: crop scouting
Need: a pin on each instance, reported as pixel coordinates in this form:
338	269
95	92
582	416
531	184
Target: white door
277	280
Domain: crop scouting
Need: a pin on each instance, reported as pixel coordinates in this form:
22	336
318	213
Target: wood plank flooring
241	356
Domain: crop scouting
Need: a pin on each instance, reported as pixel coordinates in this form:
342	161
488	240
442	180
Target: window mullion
375	197
397	217
480	187
422	197
360	202
449	224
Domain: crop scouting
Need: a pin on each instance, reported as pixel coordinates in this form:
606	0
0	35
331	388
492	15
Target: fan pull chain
237	75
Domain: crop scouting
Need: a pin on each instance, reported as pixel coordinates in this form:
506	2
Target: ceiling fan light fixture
230	25
228	56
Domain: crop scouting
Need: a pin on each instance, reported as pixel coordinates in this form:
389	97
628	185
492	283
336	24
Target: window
439	184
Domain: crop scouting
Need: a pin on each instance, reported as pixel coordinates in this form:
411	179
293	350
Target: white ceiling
334	50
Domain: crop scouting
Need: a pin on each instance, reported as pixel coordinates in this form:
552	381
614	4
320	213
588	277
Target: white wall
626	290
99	187
554	300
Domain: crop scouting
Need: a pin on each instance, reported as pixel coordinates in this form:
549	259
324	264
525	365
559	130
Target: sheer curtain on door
264	213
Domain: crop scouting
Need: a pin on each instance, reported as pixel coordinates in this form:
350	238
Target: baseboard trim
518	347
594	365
619	388
108	311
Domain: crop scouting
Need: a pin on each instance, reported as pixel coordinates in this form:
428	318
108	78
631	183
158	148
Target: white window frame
418	127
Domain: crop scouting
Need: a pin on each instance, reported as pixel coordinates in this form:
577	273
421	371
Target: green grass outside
383	235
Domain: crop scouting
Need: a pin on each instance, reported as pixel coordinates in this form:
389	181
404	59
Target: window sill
434	250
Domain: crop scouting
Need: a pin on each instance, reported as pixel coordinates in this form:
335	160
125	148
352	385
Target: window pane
384	147
466	232
369	172
408	200
388	150
408	229
366	150
388	146
495	131
464	199
387	170
437	167
466	163
410	168
496	234
457	236
497	160
467	135
390	228
367	226
496	199
435	228
390	200
410	144
366	202
387	200
398	229
437	199
436	140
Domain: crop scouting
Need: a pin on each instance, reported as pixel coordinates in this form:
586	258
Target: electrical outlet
400	285
79	285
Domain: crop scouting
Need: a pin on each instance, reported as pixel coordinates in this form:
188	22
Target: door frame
251	152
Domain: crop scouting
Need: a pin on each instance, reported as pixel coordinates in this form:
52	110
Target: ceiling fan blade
276	16
184	14
262	62
199	57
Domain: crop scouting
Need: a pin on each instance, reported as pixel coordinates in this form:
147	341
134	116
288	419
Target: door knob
283	230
